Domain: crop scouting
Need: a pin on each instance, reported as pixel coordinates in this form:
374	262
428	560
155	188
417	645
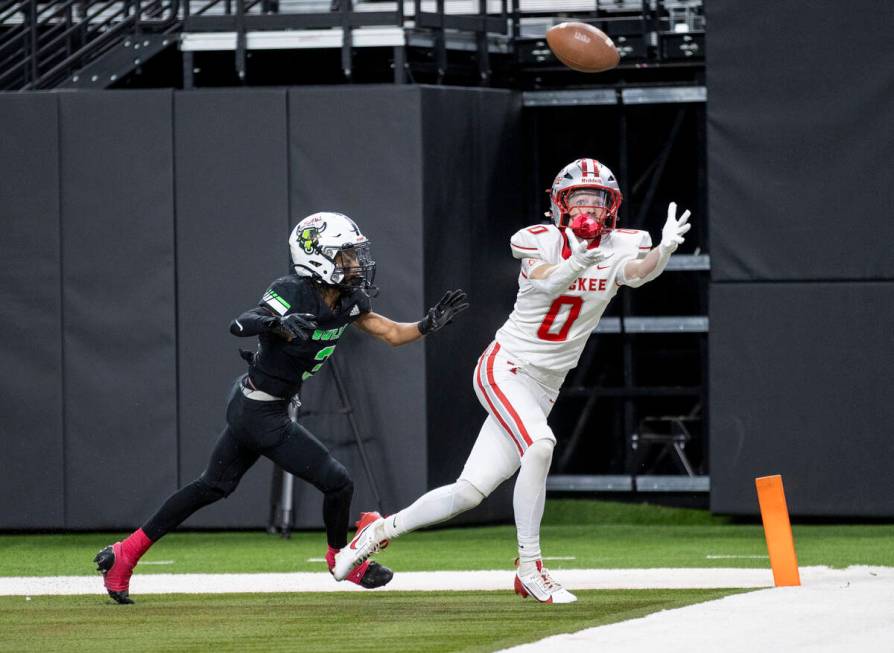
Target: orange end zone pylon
778	531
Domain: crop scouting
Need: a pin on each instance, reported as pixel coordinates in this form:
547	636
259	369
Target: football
582	47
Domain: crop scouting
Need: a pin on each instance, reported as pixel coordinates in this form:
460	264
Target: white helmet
589	174
316	242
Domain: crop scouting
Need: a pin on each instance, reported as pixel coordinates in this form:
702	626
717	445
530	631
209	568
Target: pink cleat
116	571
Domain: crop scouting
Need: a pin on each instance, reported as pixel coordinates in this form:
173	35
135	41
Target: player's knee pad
540	453
466	496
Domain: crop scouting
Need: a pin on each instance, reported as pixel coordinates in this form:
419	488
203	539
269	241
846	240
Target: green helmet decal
309	239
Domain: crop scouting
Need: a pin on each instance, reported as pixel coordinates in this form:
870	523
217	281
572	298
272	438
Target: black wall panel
472	163
232	212
800	384
144	221
357	151
800	139
30	315
118	305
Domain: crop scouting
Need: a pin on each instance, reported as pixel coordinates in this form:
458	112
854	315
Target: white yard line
833	611
403	581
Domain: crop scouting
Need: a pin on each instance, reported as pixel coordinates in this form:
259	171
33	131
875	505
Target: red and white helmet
587	174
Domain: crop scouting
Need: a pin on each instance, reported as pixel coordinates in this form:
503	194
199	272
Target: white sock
528	501
436	506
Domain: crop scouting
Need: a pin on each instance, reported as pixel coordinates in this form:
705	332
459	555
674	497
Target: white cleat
537	582
368	540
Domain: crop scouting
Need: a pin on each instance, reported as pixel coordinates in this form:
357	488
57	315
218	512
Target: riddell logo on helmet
315	221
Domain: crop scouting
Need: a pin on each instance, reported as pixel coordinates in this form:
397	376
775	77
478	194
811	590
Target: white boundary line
403	581
834	610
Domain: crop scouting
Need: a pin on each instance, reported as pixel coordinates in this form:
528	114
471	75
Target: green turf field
394	622
595	534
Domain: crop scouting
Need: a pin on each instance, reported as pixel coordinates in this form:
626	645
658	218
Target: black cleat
376	576
104	560
121	597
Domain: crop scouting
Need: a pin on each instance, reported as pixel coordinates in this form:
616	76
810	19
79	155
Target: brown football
582	47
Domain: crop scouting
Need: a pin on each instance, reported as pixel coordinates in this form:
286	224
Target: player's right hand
584	257
295	325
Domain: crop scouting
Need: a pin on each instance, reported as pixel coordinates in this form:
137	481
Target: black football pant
254	429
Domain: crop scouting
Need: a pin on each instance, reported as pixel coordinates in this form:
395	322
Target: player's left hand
674	228
441	314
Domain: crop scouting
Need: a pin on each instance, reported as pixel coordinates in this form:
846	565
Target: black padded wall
232	228
801	376
472	163
119	357
357	151
140	223
30	315
801	139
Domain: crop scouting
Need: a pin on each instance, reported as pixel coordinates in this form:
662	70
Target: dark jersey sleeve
286	296
253	322
283	296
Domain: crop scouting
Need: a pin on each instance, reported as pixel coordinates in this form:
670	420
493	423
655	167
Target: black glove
441	314
295	325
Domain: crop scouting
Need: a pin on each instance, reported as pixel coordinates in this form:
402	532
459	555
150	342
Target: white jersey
550	332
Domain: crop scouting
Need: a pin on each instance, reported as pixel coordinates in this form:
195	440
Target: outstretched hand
441	314
295	325
584	257
674	228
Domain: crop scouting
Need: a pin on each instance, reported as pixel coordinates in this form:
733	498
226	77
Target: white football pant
515	434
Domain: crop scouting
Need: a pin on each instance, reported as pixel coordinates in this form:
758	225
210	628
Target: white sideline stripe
157	562
403	581
834	610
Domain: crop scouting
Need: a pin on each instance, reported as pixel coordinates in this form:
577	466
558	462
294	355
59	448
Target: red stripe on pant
493	409
503	399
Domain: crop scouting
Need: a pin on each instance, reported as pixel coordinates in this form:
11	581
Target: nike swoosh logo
602	267
357	536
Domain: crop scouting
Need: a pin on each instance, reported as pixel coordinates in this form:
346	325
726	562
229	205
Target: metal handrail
77	31
57	38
